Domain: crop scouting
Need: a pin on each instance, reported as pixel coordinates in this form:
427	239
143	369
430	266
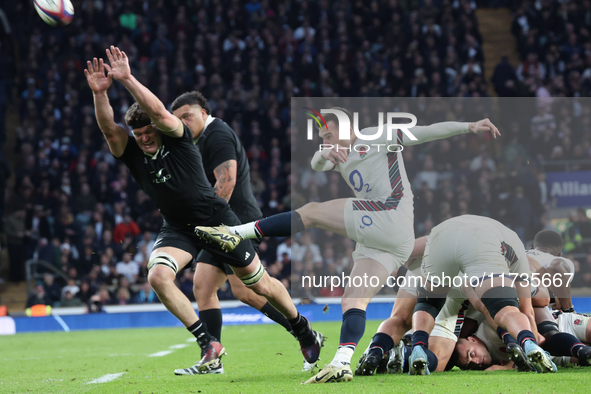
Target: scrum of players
465	336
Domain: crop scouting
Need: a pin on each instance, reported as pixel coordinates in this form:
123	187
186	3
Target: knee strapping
547	326
163	258
428	302
497	298
254	278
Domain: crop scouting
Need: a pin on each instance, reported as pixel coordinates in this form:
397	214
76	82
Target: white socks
343	356
246	231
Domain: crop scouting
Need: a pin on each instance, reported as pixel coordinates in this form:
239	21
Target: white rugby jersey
544	259
496	347
377	174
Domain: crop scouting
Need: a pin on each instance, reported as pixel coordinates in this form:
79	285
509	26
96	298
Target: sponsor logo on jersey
160	178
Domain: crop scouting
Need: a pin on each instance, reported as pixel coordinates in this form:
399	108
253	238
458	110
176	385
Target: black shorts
207	257
187	240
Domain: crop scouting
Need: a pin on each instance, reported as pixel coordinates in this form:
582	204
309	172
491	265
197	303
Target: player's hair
191	98
333	117
136	117
549	241
453	360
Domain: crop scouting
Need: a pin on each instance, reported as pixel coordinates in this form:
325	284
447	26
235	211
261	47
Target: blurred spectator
284	247
127	226
69	300
146	295
306	245
571	234
39	297
122	296
504	78
14	226
584	225
186	284
128	268
85	292
71	286
52	289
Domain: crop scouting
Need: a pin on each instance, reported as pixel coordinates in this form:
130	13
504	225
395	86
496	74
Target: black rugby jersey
174	179
218	143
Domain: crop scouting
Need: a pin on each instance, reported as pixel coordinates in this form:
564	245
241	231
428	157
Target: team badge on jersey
578	322
363	152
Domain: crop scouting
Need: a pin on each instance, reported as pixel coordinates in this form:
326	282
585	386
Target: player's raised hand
119	64
95	76
335	155
484	125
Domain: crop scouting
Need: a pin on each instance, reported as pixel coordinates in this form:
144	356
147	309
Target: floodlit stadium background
70	204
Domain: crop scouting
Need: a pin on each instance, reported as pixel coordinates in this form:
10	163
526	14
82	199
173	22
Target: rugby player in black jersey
162	159
227	170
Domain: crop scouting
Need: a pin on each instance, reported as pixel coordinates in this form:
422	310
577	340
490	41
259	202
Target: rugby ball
55	12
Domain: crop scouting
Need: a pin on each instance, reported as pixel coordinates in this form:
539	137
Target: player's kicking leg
163	265
326	216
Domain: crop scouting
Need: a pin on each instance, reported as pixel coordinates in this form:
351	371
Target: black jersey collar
207	123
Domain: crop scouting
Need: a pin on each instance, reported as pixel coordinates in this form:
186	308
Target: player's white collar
207	123
155	155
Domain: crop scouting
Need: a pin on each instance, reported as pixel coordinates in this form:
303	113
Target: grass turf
261	359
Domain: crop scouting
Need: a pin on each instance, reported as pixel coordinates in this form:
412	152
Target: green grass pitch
261	359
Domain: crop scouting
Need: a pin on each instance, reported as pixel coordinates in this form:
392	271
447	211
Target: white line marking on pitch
188	340
160	354
107	378
61	322
182	345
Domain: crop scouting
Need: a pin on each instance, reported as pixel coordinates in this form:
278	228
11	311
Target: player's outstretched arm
442	130
119	70
99	83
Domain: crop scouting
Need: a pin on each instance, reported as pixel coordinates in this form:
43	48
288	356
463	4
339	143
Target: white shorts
453	247
574	324
385	236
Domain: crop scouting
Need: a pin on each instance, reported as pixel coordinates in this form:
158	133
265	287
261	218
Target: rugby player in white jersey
484	349
547	251
486	252
379	218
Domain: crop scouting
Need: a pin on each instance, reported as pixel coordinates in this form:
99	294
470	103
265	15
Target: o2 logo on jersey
367	221
356	181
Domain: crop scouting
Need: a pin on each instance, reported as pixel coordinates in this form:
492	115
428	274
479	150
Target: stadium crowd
73	205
